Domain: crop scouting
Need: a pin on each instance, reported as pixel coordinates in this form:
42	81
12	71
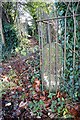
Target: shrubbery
11	40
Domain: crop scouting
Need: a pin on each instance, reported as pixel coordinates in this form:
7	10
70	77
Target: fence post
49	37
65	46
56	54
42	57
74	18
74	50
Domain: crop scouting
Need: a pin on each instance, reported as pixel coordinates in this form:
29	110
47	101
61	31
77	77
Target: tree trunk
1	31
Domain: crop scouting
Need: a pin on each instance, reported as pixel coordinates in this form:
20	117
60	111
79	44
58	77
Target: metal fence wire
54	38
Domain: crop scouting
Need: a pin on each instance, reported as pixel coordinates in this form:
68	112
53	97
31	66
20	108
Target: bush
11	40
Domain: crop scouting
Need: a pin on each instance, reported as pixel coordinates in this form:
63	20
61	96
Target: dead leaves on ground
25	92
74	109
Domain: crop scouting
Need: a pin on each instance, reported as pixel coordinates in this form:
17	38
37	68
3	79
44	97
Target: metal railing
52	50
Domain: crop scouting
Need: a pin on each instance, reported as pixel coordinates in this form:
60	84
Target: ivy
70	74
11	40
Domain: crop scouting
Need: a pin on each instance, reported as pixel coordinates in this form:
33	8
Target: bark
1	31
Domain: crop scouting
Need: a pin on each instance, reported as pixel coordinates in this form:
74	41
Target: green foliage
36	107
11	40
33	9
10	9
70	78
58	106
23	47
66	114
34	63
51	95
4	86
12	75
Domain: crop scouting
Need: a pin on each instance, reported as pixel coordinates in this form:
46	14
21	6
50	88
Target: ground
22	97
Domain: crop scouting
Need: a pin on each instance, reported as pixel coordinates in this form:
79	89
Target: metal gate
54	39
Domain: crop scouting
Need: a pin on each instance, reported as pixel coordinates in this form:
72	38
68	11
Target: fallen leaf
74	109
19	89
37	82
43	98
